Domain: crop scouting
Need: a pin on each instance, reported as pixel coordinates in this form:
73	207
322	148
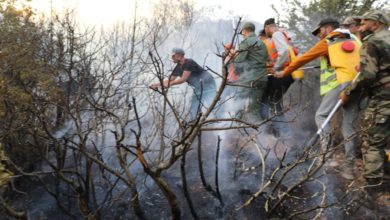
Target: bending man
187	70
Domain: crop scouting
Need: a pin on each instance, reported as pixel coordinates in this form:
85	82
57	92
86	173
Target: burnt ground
239	178
348	199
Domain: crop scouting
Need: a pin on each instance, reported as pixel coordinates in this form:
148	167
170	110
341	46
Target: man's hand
166	84
270	72
157	85
344	98
279	74
154	86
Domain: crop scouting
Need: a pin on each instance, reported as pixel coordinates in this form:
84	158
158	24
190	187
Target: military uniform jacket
375	72
250	63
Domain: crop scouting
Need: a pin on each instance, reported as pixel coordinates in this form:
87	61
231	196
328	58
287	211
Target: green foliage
27	82
300	18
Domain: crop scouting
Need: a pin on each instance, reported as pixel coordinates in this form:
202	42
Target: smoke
247	156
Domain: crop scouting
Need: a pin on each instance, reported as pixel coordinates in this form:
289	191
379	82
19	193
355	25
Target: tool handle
309	67
330	116
335	108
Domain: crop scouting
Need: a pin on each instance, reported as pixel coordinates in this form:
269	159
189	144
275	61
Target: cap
269	21
376	15
248	26
349	21
177	50
322	23
360	17
357	19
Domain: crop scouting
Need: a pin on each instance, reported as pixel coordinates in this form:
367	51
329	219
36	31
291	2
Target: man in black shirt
187	70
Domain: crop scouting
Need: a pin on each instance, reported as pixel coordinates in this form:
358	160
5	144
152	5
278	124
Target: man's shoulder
277	34
251	41
380	39
189	61
383	35
247	40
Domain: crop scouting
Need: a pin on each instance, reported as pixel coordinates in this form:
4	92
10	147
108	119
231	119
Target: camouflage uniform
375	79
250	65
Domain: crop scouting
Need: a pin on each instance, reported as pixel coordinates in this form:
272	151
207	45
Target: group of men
347	68
354	57
257	59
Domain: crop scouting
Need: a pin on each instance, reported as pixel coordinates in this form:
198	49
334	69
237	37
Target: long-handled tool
309	67
314	139
303	68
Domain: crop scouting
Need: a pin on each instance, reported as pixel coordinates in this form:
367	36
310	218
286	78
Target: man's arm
182	79
318	50
368	65
282	47
165	82
368	70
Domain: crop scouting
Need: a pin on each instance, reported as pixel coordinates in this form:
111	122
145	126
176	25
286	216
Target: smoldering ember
188	112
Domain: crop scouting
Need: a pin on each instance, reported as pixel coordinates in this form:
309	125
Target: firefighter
267	42
250	65
375	79
279	54
339	58
187	70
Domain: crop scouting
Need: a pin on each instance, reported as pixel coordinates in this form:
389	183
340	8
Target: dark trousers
273	95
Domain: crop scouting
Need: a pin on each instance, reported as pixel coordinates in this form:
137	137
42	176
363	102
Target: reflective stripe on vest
328	79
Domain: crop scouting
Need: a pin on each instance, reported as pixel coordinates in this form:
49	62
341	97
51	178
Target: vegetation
301	17
80	128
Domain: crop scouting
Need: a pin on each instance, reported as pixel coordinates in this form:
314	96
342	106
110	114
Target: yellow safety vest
328	79
342	65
